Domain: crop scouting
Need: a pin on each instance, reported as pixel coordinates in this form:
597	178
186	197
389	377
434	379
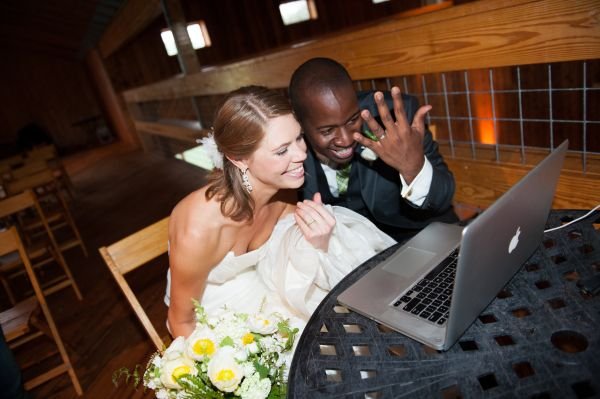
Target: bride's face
277	161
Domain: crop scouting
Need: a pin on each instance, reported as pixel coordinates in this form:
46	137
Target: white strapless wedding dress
287	275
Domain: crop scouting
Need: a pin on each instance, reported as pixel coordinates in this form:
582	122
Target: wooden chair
30	167
20	323
46	153
49	155
132	252
57	211
12	162
41	250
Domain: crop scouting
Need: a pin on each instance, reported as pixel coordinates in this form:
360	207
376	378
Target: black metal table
540	338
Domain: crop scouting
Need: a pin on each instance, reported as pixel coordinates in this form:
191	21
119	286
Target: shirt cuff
417	190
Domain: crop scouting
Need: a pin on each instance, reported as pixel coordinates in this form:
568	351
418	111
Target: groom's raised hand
399	143
315	221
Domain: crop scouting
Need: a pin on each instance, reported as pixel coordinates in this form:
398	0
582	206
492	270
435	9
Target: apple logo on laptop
514	241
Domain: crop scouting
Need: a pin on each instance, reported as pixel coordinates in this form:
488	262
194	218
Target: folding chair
57	211
42	250
49	155
12	162
30	167
132	252
20	323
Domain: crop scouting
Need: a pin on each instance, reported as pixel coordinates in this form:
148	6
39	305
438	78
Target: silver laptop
435	285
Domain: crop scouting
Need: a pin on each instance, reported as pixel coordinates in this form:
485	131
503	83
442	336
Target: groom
397	178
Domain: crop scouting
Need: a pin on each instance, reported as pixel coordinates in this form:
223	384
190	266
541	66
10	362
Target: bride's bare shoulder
198	232
195	214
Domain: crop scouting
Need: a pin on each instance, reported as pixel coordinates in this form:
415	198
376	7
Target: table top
540	337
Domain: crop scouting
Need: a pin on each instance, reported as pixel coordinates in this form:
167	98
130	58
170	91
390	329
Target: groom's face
331	117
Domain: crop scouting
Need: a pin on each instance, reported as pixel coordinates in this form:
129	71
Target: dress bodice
286	274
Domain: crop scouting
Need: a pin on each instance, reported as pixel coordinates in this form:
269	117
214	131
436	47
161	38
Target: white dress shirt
415	192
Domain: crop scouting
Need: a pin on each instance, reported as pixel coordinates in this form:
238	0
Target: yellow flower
262	323
248	338
201	344
181	370
204	347
223	370
175	368
225	375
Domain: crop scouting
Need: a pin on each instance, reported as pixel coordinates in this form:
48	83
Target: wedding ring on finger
311	222
382	136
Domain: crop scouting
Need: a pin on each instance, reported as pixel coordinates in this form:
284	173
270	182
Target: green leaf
127	375
197	387
227	341
290	333
201	316
262	370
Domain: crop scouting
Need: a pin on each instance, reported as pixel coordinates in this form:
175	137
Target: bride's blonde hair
239	126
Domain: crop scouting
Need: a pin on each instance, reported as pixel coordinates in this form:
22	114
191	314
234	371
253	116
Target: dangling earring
246	181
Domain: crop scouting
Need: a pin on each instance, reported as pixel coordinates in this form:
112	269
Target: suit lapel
316	182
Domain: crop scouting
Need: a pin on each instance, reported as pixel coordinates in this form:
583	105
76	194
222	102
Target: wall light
196	31
293	12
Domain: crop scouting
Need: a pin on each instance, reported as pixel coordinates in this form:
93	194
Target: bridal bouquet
235	355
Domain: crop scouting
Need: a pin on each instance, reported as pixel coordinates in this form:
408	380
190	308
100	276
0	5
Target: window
379	1
293	12
196	31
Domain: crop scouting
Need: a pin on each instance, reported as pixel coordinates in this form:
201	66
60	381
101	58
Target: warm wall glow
485	131
481	106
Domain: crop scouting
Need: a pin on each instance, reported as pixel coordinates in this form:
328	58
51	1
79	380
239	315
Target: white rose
175	350
260	323
201	344
174	368
224	372
252	348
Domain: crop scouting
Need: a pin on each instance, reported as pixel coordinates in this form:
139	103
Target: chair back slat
45	153
140	247
132	252
16	203
8	242
32	181
31	167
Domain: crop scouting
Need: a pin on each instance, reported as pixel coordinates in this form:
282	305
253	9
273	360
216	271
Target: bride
243	241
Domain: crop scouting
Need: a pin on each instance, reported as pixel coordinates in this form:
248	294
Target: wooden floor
114	198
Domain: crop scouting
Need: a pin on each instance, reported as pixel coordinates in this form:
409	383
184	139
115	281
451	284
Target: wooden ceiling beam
128	22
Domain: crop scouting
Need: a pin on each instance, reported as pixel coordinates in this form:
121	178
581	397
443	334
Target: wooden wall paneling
54	28
480	183
114	107
51	91
236	35
486	33
129	21
142	60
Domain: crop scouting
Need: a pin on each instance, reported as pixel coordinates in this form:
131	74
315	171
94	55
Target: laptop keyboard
430	298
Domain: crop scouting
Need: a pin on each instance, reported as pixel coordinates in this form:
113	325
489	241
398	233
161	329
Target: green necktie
341	177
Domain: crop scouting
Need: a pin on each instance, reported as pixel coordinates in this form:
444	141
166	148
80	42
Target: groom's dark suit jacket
374	187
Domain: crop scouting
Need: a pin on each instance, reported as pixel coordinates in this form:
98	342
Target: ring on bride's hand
382	136
311	222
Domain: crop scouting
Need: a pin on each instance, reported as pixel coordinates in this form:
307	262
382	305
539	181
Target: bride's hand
315	222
